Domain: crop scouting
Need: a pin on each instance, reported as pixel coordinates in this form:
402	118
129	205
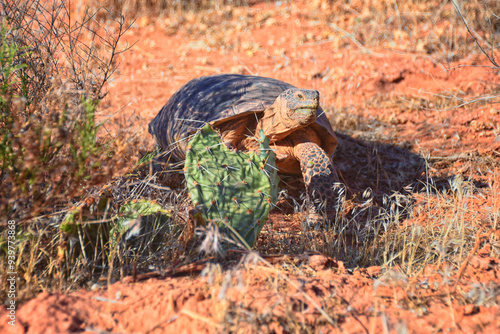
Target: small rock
271	22
318	262
483	263
373	271
471	309
322	262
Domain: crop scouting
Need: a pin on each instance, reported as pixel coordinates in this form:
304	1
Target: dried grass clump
417	25
155	7
439	224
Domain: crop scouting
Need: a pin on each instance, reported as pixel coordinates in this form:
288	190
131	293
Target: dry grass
416	26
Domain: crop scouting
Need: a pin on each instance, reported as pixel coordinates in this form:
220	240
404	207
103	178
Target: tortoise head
297	105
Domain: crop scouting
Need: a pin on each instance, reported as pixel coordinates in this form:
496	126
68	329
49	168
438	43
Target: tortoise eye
300	96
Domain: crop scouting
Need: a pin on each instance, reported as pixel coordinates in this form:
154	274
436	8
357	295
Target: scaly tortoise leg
232	133
323	189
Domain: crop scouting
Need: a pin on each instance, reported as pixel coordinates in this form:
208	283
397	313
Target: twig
471	254
461	66
479	99
351	37
245	66
474	35
201	318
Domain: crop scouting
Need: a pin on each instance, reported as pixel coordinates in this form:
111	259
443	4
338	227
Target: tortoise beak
306	115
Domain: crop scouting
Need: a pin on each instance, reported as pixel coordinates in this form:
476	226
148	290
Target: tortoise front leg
233	132
322	186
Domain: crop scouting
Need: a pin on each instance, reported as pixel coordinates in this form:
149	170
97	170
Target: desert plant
54	64
137	225
10	76
53	69
235	189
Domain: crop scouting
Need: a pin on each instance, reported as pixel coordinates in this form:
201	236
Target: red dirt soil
364	301
246	295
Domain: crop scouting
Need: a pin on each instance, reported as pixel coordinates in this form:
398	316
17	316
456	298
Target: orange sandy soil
362	301
255	297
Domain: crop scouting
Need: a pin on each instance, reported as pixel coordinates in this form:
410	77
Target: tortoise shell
220	98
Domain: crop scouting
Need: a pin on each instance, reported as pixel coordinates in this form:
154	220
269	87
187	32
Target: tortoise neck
275	126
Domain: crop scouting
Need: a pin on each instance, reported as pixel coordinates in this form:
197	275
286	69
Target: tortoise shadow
386	168
383	168
362	165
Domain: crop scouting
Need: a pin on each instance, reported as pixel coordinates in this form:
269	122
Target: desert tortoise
239	106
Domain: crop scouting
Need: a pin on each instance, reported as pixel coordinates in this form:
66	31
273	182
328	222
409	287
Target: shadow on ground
379	167
384	168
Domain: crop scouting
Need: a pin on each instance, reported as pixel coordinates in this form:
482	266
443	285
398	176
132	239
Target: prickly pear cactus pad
231	187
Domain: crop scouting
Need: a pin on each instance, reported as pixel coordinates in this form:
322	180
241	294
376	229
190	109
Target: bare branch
474	35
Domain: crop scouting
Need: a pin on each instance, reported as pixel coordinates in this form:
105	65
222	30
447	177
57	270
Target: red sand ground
366	300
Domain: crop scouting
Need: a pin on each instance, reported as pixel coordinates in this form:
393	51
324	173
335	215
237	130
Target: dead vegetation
55	64
406	211
419	26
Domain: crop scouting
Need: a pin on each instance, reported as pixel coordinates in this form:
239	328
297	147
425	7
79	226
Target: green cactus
234	189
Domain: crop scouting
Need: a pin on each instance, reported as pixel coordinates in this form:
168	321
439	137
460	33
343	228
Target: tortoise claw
315	221
320	217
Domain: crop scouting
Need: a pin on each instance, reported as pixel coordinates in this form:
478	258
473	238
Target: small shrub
54	66
50	152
